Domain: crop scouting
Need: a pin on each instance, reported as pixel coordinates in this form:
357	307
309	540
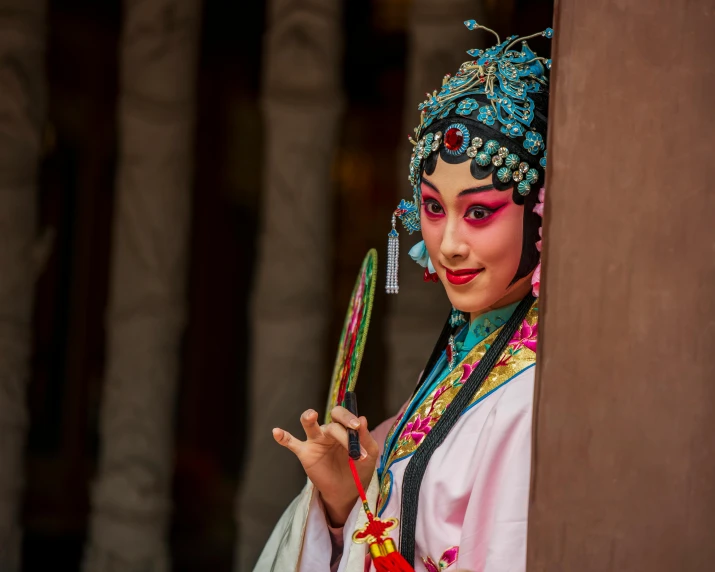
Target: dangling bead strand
393	259
451	353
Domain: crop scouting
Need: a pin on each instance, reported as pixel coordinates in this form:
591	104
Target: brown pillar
131	497
22	114
624	446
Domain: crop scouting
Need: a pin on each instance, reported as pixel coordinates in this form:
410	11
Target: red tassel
393	562
400	563
384	555
381	564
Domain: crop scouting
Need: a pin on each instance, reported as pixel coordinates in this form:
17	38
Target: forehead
452	178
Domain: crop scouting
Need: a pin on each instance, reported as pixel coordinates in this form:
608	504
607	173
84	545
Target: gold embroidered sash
519	354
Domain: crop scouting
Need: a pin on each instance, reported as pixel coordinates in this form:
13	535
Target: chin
469	304
472	299
479	295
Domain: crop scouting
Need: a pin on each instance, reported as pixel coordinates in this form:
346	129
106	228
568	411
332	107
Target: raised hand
324	456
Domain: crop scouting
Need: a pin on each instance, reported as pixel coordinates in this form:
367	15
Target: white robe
474	496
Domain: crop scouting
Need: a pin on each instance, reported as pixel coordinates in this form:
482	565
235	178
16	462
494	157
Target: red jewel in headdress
453	139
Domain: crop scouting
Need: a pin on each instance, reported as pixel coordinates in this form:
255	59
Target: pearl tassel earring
393	259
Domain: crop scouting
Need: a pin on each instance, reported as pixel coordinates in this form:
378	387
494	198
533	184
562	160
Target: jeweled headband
486	111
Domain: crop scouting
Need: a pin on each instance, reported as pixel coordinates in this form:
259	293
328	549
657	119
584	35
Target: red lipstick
459	277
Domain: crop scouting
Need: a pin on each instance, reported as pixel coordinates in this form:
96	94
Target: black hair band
417	465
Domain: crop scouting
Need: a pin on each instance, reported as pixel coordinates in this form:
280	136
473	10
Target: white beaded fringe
393	264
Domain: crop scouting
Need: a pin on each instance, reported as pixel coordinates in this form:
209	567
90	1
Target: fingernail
355	424
363	453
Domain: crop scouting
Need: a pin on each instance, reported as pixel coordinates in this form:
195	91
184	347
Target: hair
529	253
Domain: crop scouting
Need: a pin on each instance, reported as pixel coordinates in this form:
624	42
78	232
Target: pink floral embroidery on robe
467	371
448	558
525	337
417	429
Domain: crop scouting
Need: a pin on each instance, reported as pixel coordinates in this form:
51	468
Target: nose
453	245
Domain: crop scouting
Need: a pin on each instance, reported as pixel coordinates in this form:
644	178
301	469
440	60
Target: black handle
350	403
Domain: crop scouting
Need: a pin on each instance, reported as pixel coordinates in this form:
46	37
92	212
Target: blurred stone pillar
302	104
438	42
131	495
22	113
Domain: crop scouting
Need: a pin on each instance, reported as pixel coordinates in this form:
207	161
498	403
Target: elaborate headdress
492	112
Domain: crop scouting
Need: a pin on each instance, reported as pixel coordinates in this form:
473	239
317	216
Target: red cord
361	491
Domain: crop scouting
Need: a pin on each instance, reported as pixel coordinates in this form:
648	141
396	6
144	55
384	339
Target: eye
432	207
478	213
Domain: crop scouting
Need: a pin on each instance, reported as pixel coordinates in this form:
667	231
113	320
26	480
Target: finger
336	432
340	434
366	439
284	438
309	421
344	417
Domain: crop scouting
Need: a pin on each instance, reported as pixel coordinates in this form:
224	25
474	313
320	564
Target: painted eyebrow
469	191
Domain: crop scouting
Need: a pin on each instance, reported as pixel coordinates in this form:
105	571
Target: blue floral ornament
513	130
456	82
427	145
542	161
483	159
445	112
512	161
504	174
409	215
533	142
491	146
486	115
415	166
457	318
419	149
406	206
466	106
548	33
523	188
431	101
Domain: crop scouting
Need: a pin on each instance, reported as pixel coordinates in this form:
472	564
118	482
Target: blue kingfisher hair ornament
492	112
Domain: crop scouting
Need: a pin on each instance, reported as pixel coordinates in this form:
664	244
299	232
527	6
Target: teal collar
485	324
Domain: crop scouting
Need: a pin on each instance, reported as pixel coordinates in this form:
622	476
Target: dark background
76	200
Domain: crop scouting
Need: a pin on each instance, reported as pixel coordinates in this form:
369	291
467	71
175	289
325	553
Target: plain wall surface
624	444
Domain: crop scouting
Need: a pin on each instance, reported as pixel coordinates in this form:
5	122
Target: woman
454	466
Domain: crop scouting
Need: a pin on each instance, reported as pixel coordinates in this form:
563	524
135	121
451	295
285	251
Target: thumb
366	439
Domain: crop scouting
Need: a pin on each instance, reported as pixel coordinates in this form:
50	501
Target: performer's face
473	235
